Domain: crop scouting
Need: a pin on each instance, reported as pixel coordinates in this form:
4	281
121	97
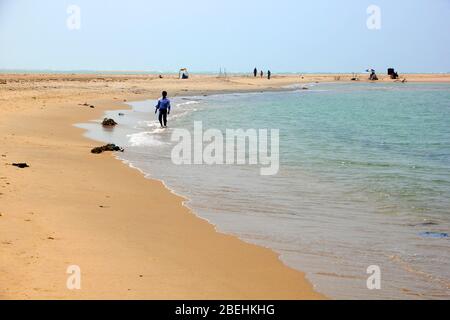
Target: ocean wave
187	103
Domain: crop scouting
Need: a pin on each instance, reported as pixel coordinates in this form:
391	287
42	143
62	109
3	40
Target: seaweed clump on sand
105	148
109	122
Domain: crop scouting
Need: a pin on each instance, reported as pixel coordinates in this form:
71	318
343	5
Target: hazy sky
283	35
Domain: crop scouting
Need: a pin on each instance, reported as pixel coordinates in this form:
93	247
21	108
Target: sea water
364	180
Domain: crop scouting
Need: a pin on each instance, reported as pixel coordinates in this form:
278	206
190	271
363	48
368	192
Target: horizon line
156	72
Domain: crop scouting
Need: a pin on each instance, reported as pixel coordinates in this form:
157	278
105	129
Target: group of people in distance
255	73
164	107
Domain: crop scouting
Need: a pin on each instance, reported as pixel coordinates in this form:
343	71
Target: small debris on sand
21	165
86	105
108	147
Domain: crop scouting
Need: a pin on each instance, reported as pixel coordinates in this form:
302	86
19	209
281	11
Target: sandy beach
131	237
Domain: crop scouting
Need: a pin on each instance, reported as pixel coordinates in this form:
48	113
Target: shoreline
184	199
74	208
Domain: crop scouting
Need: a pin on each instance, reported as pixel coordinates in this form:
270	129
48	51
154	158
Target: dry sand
130	236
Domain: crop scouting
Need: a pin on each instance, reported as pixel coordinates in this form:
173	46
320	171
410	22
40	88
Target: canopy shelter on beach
373	75
392	74
183	74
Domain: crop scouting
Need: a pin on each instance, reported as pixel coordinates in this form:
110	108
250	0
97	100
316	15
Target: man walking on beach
269	74
164	109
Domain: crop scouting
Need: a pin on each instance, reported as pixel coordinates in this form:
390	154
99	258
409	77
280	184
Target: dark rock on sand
109	122
108	147
21	165
434	235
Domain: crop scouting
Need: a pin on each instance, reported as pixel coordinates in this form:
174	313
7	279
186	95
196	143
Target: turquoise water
364	180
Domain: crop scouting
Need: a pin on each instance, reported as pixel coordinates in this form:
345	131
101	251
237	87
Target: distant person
255	72
262	74
163	107
269	74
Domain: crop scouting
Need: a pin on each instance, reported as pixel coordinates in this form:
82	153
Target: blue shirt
163	104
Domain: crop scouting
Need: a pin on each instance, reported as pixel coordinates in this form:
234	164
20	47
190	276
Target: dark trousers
163	118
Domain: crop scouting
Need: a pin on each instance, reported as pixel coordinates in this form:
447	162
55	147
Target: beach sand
131	237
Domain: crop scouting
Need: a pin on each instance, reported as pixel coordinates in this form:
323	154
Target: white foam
146	124
159	130
146	139
187	103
